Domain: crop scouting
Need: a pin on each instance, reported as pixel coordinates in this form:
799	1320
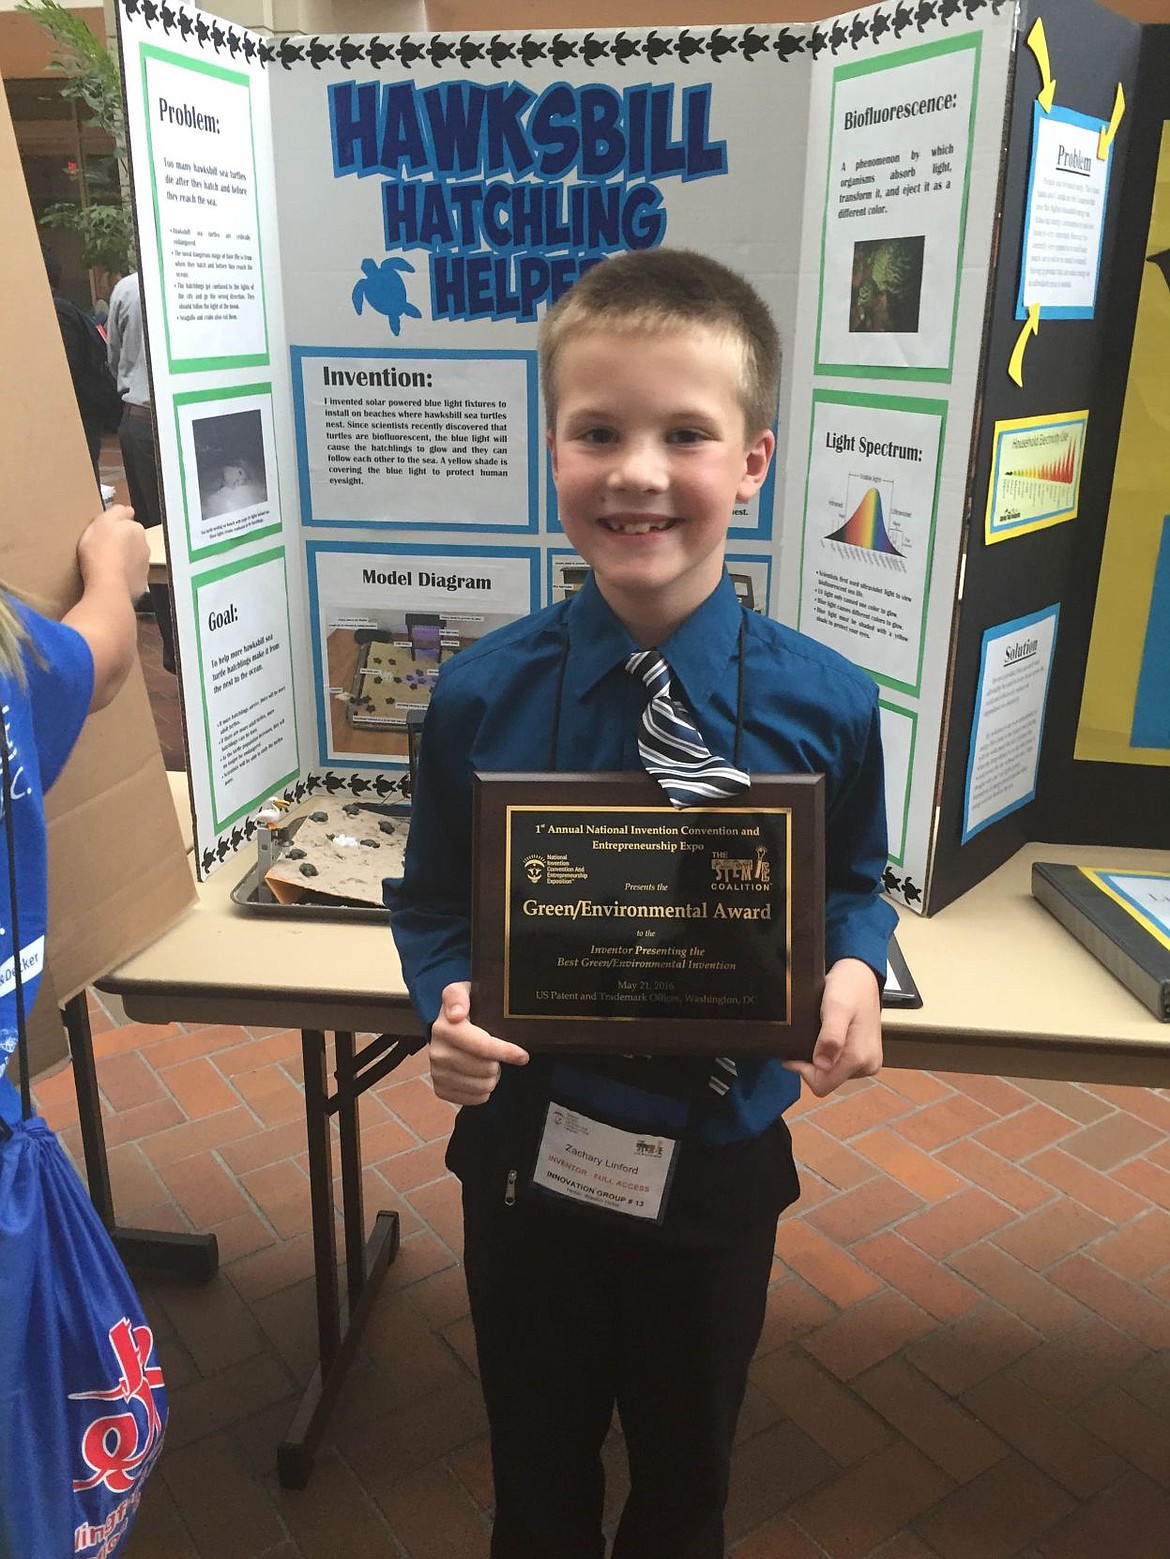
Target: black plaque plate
604	919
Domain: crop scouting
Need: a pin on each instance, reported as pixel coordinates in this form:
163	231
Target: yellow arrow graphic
1038	44
1016	361
1105	139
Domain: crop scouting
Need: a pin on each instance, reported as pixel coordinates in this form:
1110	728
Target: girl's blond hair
13	635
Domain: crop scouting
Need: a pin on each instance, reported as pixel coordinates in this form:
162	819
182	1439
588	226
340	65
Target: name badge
620	1171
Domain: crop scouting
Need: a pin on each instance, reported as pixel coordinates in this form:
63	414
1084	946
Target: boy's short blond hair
664	289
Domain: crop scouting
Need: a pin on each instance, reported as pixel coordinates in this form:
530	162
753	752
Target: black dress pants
136	437
574	1314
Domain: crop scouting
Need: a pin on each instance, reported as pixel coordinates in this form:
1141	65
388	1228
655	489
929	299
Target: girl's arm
113	555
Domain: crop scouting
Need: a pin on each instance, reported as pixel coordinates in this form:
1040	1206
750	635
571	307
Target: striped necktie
672	750
675	754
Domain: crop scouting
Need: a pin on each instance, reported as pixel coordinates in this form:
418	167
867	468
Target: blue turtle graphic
384	290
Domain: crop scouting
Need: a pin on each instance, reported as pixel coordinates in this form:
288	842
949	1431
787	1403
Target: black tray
315	906
311	907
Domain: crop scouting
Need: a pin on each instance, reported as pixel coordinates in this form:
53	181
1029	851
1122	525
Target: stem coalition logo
119	1448
515	195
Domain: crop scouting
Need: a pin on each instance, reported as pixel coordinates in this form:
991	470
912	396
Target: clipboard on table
900	989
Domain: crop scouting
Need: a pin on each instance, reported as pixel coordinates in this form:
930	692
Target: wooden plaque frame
602	915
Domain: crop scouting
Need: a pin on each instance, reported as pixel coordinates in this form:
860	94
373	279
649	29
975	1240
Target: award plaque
605	919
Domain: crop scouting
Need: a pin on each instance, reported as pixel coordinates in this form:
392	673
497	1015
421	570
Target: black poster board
1070	364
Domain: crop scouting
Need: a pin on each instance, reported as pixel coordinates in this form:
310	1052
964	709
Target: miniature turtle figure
384	290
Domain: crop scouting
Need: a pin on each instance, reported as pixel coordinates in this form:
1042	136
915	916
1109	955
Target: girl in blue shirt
52	674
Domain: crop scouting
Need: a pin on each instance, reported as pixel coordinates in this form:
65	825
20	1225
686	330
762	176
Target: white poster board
349	409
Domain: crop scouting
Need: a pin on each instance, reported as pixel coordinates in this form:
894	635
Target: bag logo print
112	1446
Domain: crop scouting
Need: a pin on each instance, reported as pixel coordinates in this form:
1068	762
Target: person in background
104	286
126	345
85	352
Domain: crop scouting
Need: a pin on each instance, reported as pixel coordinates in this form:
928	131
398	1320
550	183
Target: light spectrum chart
866	526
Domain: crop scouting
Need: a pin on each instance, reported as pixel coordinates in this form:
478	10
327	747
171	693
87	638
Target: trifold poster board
1075	211
1054	495
346	246
118	873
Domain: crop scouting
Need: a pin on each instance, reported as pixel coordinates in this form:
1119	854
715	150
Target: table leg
365	1263
294	1456
321	1195
352	1201
187	1255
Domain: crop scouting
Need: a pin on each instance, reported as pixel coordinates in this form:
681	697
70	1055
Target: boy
660	372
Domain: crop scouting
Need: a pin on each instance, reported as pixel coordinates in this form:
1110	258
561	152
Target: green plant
107	233
92	79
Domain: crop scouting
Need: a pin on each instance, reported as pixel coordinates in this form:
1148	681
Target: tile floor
966	1353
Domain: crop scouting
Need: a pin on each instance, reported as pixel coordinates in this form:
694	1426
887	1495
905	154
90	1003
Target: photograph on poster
567	572
227	457
230	464
752	578
886	288
388	666
1015	668
413	439
870	509
207	226
1064	215
246	681
385	619
1035	473
898	170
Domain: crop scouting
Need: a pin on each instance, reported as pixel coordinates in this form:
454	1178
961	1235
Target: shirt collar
697	652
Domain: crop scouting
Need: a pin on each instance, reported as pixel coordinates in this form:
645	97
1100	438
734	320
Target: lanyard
17	972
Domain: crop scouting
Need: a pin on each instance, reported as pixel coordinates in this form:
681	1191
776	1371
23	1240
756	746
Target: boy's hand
465	1060
850	1041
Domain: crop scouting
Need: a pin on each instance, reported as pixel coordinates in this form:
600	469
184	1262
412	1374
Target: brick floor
966	1352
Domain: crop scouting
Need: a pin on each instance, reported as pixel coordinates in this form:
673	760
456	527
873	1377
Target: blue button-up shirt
496	708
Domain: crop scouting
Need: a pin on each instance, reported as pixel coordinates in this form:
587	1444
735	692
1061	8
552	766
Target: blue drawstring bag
83	1407
82	1401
